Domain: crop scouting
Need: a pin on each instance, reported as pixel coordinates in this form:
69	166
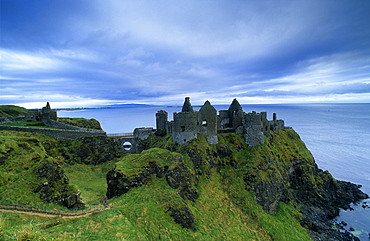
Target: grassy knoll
81	122
12	111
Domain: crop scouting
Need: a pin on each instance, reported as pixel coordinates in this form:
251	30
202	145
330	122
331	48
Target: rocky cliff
280	171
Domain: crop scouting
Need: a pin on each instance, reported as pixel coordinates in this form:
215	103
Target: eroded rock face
119	183
178	178
55	186
88	150
321	200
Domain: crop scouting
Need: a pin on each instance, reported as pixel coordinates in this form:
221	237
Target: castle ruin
187	124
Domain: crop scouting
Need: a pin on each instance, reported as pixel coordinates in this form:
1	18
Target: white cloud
15	60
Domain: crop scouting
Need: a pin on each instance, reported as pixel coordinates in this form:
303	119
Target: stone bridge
126	141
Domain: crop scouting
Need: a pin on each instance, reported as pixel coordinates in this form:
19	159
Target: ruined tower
236	115
185	124
208	122
47	113
187	105
253	129
161	118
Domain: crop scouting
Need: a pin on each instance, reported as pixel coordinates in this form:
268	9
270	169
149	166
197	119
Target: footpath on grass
27	209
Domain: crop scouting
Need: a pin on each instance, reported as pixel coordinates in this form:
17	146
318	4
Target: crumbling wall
253	129
56	133
208	122
59	125
143	132
185	127
275	124
161	118
7	120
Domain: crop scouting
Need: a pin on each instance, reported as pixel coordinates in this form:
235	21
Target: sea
338	135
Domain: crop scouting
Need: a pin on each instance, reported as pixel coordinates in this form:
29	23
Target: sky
90	53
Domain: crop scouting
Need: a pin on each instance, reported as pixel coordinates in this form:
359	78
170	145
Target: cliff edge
282	171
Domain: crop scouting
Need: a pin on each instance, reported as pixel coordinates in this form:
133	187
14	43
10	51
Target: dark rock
180	178
320	201
196	158
119	184
183	216
223	151
92	150
55	188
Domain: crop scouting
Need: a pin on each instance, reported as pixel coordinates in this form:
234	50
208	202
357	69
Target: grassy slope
11	110
224	210
81	122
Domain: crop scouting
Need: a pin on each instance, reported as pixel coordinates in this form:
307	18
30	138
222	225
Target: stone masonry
187	124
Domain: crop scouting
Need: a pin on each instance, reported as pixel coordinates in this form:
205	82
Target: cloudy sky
92	53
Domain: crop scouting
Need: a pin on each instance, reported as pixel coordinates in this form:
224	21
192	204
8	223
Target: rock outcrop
55	186
177	177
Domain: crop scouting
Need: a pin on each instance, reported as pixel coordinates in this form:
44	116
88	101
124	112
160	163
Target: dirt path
30	210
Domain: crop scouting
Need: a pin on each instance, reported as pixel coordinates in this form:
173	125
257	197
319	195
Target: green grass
133	164
31	124
224	210
81	122
12	111
89	179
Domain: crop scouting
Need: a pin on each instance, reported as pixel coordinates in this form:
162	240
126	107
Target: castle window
183	128
204	123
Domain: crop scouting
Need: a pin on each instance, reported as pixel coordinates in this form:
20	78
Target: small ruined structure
187	124
43	115
49	118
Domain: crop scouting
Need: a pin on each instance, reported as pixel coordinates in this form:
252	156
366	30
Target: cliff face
280	171
32	167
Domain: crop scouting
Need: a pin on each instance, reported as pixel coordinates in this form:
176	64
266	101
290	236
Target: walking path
6	207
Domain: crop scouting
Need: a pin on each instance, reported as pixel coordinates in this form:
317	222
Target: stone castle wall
59	125
253	129
7	120
143	132
186	125
56	133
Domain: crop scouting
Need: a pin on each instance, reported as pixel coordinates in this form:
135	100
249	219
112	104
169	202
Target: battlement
187	124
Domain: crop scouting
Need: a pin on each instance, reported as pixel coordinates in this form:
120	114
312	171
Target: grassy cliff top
12	111
81	122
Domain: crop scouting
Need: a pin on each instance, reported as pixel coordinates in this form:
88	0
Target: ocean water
338	135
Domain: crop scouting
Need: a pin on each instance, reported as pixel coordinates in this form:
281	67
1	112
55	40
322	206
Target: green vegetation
11	111
33	124
225	208
81	122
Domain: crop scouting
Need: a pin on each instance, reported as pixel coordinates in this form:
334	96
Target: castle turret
187	106
161	119
275	124
253	129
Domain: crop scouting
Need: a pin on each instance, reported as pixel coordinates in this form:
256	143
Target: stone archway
127	146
